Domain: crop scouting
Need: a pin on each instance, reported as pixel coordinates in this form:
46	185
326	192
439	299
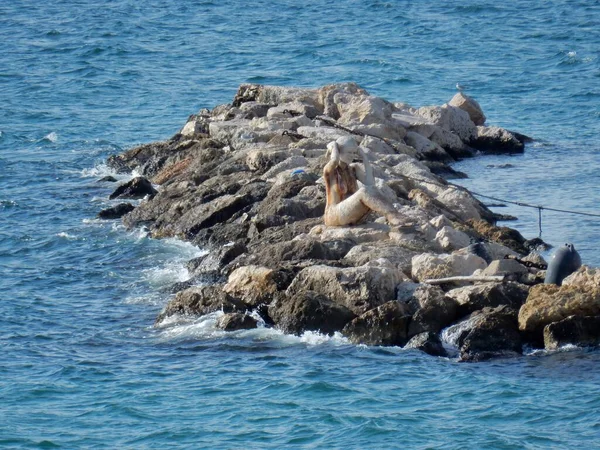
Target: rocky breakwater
244	180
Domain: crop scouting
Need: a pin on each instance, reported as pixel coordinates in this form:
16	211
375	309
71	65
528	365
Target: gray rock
116	212
432	310
309	311
236	321
427	342
139	187
479	296
385	325
497	140
582	331
201	300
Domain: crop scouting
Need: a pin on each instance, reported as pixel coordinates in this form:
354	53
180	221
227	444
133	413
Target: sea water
82	365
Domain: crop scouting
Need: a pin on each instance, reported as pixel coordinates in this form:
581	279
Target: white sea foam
51	137
180	327
66	236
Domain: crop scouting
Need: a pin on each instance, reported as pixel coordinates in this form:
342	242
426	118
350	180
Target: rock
357	288
451	239
497	140
201	300
433	266
327	96
548	303
360	234
490	333
451	119
584	276
309	311
292	162
116	212
511	269
253	285
273	255
432	310
139	187
461	203
363	253
236	321
479	296
385	325
426	148
427	342
582	331
470	106
211	264
502	235
107	179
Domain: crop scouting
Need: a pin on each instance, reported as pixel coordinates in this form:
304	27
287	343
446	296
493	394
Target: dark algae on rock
420	265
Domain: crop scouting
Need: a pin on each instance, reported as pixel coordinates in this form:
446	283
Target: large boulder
470	106
497	140
432	309
253	285
385	325
357	288
583	331
479	296
308	311
547	303
433	266
450	118
360	234
211	264
487	333
363	253
201	300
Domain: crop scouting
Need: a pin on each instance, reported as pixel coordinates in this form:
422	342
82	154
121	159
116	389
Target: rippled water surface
82	365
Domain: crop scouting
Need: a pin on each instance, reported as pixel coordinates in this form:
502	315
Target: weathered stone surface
273	255
357	288
479	296
508	267
236	321
582	331
432	310
450	118
385	325
426	148
503	235
363	253
201	300
432	266
451	239
116	212
487	333
469	105
427	342
548	303
369	232
253	285
497	140
309	311
139	187
211	264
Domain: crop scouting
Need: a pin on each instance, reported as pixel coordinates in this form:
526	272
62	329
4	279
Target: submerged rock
139	187
236	321
116	212
427	342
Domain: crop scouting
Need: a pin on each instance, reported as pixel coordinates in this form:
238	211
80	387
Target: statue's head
347	146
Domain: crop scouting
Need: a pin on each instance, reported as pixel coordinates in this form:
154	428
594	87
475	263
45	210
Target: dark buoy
565	261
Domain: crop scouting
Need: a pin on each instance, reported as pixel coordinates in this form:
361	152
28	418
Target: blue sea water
81	364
